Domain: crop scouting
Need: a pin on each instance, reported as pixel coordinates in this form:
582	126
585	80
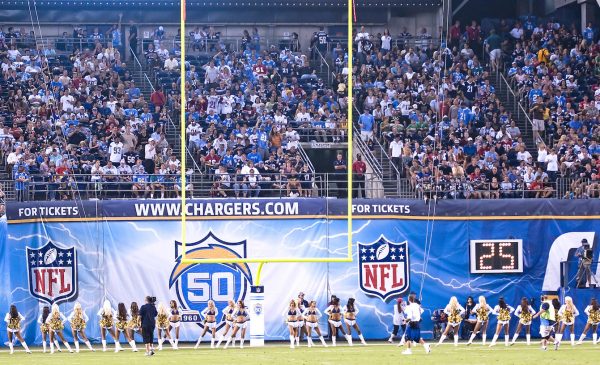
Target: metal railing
323	64
501	80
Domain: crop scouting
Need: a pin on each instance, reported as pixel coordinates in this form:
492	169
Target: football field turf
277	354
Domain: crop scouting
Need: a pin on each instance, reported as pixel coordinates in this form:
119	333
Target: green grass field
373	354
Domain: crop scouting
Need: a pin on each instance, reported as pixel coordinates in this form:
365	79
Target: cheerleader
593	313
210	322
121	326
135	321
162	326
292	316
455	313
78	320
107	319
482	310
567	313
174	321
56	322
335	320
228	315
398	321
311	317
44	328
503	311
525	313
350	313
13	321
241	318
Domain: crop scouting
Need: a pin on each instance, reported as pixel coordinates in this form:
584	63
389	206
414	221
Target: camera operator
148	315
584	271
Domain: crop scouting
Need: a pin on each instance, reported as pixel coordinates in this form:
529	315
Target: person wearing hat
585	256
398	321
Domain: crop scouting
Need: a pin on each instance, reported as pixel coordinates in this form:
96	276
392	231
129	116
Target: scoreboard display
496	256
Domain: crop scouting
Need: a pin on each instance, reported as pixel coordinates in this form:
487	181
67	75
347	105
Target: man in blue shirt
534	93
254	156
366	122
21	183
588	33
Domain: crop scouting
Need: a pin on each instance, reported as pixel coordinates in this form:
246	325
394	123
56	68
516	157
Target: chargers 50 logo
196	284
52	272
383	267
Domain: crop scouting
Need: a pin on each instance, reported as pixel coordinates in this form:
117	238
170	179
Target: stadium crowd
437	114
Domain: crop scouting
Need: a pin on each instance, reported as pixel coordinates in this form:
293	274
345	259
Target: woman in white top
78	320
525	313
240	322
350	313
482	310
311	316
386	42
503	311
567	314
293	316
210	322
56	322
13	321
107	321
542	154
228	314
335	320
398	321
455	312
593	313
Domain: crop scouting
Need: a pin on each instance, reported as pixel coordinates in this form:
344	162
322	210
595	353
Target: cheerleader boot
133	346
297	341
227	342
473	335
483	338
455	340
51	347
27	350
402	340
391	339
528	337
212	342
349	339
494	340
173	345
76	346
581	338
176	343
594	338
572	339
44	345
233	341
11	346
242	342
333	338
442	338
220	340
103	345
506	339
118	346
57	346
362	339
89	346
292	340
515	336
322	341
309	341
557	340
200	340
67	346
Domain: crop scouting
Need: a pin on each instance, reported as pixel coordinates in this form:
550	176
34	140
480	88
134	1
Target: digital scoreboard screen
496	256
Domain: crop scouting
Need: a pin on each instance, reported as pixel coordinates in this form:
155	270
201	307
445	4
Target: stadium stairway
505	95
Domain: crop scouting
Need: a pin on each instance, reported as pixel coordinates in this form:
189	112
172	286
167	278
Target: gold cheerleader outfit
121	324
525	318
454	317
594	317
78	323
504	315
482	314
56	323
135	323
106	321
14	324
568	317
162	321
45	328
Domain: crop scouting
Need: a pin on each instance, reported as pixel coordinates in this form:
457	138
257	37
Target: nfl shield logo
52	272
384	268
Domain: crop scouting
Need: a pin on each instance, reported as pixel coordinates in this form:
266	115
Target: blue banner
87	251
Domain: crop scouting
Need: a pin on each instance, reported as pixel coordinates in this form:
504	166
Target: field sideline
374	353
